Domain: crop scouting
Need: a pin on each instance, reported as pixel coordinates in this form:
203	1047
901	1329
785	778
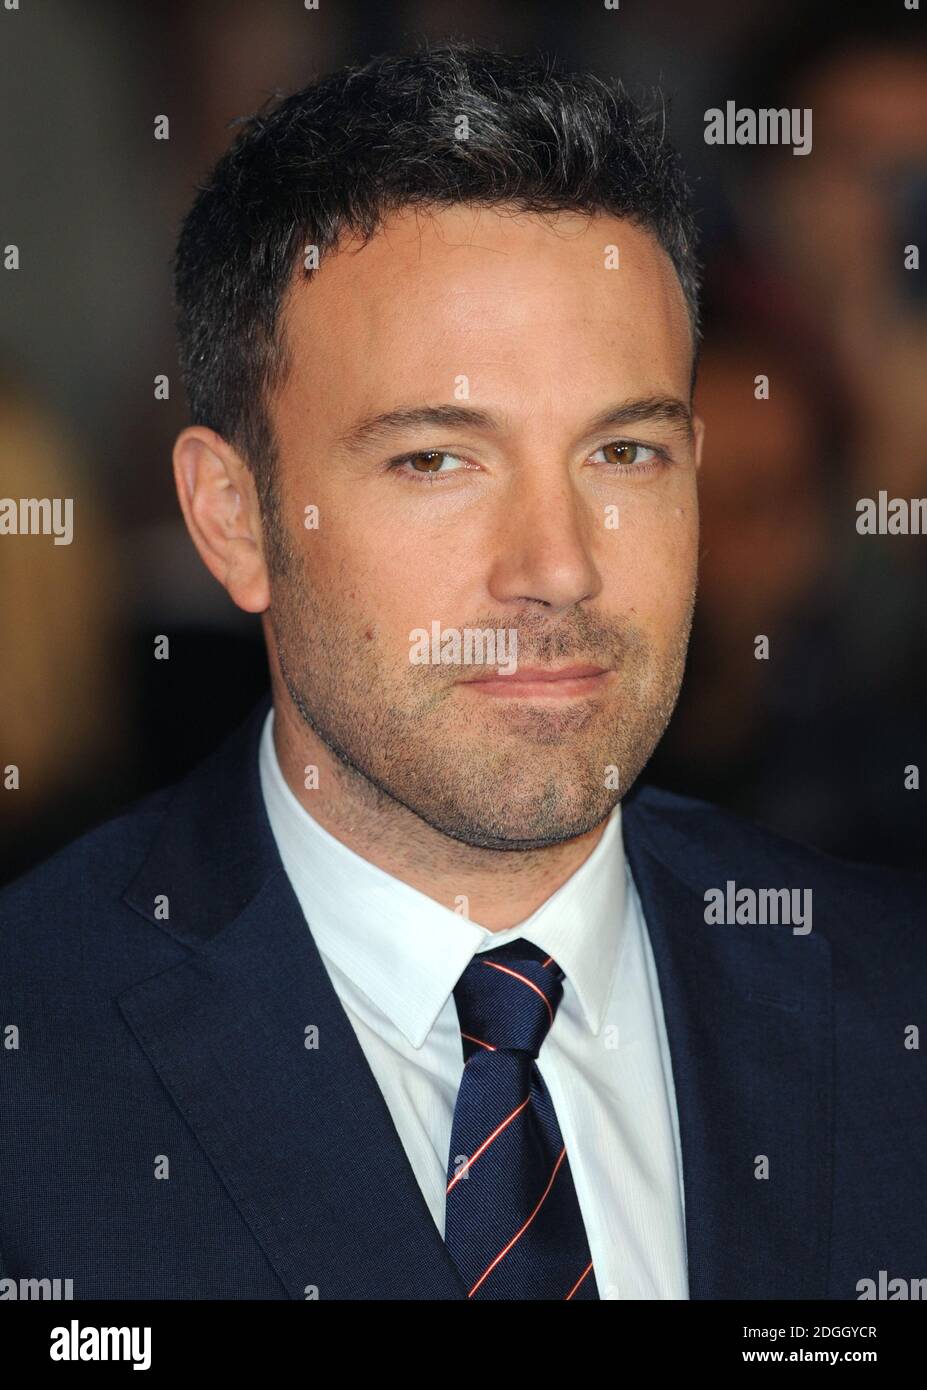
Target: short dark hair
343	153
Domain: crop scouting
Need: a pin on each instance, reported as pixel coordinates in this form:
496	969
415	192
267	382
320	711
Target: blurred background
805	283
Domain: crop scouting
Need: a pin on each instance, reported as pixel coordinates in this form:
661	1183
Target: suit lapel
748	1018
300	1136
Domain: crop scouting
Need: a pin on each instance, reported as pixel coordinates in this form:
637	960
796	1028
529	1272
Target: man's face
519	514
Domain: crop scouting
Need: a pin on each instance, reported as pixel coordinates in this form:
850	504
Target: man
403	994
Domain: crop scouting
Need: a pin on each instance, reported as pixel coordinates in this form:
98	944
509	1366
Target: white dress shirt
394	956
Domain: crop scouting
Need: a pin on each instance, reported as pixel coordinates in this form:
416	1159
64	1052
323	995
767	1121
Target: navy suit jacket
143	1040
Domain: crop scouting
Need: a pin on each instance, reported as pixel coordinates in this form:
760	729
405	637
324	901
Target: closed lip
541	673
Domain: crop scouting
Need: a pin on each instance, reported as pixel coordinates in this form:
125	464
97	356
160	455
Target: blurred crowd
805	286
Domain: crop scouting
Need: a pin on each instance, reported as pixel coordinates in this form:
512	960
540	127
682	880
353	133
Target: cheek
675	551
654	566
380	589
684	535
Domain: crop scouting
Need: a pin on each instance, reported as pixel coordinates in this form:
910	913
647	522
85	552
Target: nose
544	540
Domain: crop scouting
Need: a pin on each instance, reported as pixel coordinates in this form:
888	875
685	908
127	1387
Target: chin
523	830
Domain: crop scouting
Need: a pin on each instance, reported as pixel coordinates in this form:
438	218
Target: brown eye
431	459
621	454
429	463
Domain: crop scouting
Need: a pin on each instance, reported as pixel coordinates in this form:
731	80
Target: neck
500	887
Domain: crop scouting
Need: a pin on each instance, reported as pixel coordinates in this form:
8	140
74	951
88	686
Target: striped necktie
512	1221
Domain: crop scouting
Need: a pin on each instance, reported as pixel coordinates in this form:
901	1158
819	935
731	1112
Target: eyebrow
378	429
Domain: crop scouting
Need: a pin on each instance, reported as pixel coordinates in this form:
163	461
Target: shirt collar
405	950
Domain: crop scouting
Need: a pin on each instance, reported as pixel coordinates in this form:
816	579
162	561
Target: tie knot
507	997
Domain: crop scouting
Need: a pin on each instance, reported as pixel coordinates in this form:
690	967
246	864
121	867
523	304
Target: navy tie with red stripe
513	1226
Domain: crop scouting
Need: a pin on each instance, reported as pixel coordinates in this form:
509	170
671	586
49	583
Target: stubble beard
516	778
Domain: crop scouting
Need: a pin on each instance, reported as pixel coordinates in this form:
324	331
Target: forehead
514	302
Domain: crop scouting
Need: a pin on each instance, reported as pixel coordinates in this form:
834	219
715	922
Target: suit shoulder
723	845
85	877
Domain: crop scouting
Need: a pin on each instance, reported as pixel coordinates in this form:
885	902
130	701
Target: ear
220	506
698	429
